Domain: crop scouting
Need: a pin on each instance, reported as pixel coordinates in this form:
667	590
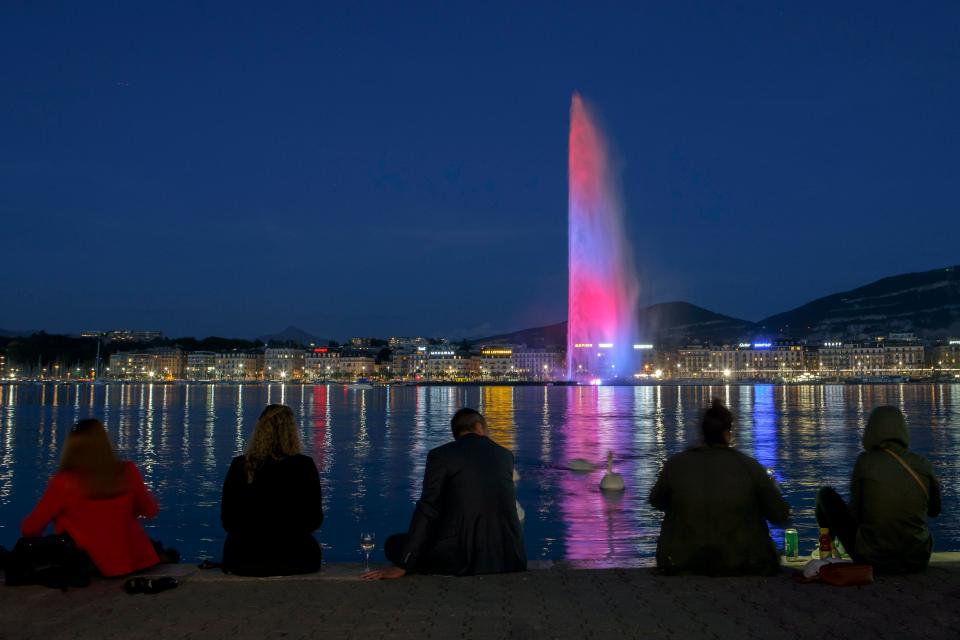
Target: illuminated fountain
603	289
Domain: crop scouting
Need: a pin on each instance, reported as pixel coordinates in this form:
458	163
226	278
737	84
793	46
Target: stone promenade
558	601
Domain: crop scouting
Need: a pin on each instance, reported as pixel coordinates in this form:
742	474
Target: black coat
270	522
466	519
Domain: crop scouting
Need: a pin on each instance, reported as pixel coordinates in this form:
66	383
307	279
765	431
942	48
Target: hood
886	426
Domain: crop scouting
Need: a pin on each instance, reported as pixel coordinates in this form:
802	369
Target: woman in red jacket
97	499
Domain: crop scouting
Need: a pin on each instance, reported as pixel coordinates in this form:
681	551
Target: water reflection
370	447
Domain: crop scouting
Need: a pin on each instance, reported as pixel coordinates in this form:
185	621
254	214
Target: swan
611	481
580	465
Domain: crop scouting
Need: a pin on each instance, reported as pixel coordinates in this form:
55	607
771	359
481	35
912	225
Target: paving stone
556	602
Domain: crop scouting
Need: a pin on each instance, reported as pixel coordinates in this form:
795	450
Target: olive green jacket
717	502
887	502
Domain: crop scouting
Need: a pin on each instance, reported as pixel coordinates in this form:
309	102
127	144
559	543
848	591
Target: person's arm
660	494
424	514
933	505
856	491
51	504
144	504
310	510
774	508
231	507
426	511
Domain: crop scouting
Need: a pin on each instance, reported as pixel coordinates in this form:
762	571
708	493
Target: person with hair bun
97	499
716	503
272	502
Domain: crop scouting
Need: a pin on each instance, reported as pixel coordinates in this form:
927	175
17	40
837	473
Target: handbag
846	574
52	561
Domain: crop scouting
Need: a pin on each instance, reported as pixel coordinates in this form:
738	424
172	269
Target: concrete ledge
555	600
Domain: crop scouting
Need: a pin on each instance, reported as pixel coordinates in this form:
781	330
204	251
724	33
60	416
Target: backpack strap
913	474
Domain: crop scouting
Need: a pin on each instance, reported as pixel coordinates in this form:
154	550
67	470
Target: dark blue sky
400	168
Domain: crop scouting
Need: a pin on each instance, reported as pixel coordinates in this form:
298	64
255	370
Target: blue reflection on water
370	447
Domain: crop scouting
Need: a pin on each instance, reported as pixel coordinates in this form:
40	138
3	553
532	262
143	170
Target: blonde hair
88	453
274	437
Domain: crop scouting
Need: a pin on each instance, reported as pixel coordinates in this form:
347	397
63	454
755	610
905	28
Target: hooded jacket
887	502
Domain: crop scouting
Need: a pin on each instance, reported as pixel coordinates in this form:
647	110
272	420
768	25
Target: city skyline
403	169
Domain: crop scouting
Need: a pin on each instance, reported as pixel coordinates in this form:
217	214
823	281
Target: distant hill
4	333
554	335
664	323
680	322
293	334
927	304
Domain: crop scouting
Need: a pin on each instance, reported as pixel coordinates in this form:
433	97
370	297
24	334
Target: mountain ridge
925	303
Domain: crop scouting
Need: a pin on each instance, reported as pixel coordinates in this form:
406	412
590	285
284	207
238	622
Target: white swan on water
580	465
611	481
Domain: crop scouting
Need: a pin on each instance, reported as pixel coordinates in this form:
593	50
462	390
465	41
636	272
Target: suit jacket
466	519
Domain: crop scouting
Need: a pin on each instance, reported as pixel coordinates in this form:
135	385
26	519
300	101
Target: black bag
51	561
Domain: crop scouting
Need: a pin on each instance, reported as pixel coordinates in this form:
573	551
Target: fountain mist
603	289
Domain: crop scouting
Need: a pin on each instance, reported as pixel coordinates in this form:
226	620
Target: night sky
365	169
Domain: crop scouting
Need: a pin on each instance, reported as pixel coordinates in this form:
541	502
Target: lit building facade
540	364
201	366
283	364
240	366
321	364
496	363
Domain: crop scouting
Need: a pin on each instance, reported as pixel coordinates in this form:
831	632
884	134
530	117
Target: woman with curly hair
271	502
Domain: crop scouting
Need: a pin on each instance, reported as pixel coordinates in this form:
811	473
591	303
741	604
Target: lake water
370	446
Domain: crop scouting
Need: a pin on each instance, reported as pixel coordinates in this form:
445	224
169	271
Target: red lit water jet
603	289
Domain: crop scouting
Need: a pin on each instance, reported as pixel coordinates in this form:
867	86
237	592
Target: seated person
465	522
96	499
892	492
716	503
271	502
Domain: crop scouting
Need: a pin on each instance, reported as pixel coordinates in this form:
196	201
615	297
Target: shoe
151	585
135	585
156	585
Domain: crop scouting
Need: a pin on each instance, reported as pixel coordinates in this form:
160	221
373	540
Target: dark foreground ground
555	602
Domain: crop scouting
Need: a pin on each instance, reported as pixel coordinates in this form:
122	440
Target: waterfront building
356	363
760	360
132	365
694	361
496	363
201	366
321	364
441	362
240	366
539	364
945	356
283	364
766	360
168	362
3	366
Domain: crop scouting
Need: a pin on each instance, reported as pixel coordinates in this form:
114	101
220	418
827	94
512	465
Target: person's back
890	505
466	521
96	507
716	502
478	530
271	505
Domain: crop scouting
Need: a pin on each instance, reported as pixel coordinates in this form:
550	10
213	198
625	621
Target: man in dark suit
465	522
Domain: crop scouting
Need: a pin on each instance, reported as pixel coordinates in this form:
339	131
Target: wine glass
367	542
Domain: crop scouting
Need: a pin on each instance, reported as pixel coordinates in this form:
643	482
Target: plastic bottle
826	545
